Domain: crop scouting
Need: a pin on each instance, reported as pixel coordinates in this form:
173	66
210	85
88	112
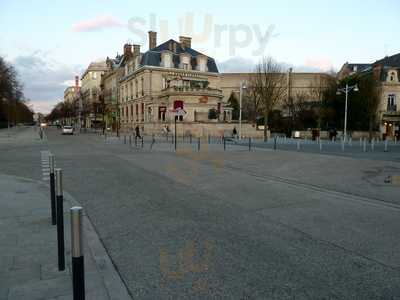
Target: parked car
68	130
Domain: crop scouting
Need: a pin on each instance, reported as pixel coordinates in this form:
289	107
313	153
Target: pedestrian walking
234	132
137	132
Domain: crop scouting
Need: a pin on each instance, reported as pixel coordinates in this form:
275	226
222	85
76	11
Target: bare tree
370	92
267	88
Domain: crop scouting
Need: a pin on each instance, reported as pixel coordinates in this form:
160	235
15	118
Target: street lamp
242	87
346	90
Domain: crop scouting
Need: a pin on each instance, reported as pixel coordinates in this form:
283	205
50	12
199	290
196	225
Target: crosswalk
45	165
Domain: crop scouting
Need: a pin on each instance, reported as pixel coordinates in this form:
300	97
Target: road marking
45	165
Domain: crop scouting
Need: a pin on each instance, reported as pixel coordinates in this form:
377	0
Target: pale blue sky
59	38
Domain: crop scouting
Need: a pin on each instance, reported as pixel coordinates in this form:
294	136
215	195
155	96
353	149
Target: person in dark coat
234	132
137	132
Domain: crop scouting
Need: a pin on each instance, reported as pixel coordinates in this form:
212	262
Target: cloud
319	63
245	65
44	79
97	23
236	65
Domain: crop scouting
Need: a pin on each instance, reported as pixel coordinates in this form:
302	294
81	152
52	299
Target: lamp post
242	87
346	90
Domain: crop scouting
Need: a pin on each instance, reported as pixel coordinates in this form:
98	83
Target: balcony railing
391	108
186	89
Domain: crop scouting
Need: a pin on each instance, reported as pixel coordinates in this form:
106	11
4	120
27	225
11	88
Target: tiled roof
389	61
153	56
360	67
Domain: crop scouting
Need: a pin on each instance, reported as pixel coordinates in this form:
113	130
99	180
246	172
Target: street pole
240	110
345	113
78	270
176	117
52	191
60	221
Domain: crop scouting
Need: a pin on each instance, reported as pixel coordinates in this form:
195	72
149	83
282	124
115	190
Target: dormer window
392	76
185	61
202	63
166	59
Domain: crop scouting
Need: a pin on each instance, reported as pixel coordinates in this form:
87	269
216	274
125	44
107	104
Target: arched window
391	104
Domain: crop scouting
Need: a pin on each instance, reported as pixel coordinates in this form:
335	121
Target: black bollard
78	270
142	143
52	191
198	144
60	221
249	144
224	143
275	143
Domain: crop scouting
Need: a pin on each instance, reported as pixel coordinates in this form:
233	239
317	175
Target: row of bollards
57	218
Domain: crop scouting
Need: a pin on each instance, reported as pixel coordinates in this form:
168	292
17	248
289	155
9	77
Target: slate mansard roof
390	61
153	56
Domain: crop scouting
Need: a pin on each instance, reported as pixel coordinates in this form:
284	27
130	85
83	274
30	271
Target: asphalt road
231	225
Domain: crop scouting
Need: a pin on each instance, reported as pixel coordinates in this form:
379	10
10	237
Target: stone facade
296	83
388	72
91	116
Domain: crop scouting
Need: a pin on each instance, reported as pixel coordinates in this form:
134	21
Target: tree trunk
265	127
371	123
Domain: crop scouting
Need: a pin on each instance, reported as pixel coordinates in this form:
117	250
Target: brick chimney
152	39
136	50
186	42
127	50
77	88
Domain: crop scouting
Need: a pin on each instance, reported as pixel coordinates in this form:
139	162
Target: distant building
388	70
91	108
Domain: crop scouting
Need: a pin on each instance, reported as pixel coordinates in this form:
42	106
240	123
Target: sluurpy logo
229	36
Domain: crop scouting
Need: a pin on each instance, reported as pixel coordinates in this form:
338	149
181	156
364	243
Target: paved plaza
233	224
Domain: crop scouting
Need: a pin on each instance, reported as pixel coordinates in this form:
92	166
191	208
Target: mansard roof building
168	77
388	71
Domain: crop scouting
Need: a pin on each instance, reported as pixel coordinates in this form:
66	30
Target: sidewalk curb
115	286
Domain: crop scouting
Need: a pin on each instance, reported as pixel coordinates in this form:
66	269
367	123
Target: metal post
198	144
78	272
373	144
52	191
130	140
209	139
224	143
361	142
345	112
386	145
142	142
60	221
190	137
136	140
176	117
275	143
343	144
298	145
124	139
249	143
153	141
240	109
320	145
365	145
